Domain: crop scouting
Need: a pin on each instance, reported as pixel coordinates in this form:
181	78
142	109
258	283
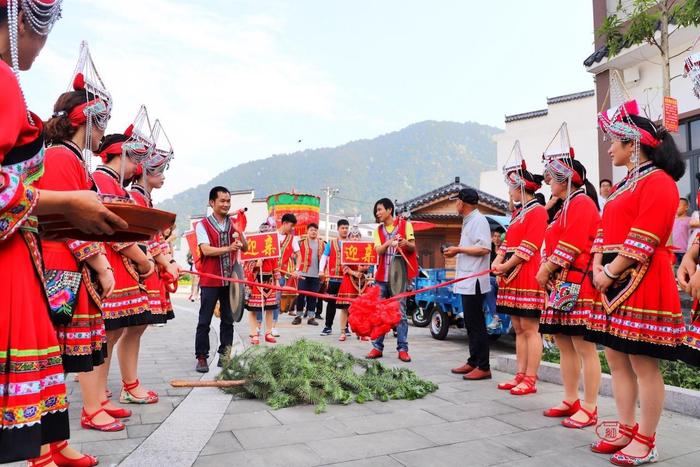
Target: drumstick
401	251
181	383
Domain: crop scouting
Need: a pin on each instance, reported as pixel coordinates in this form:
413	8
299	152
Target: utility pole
330	193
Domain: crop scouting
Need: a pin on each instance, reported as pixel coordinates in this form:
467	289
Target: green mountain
398	165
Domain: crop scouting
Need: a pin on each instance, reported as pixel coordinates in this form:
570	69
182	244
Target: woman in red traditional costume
33	410
353	284
151	175
74	270
126	312
261	300
689	279
637	315
516	264
565	273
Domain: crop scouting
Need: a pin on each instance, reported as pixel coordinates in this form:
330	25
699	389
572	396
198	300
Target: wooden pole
181	383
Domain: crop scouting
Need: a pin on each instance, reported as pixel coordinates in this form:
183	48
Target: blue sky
238	80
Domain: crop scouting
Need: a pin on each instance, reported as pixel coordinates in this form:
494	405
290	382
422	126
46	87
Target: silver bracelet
610	274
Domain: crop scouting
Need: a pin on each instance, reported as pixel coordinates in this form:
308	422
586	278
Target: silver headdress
98	107
140	144
558	160
162	154
41	16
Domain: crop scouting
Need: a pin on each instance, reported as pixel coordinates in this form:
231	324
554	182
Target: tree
647	21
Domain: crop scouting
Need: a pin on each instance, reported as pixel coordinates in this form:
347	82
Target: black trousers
475	322
333	287
209	297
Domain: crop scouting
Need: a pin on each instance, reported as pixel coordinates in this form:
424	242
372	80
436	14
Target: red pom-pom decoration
170	282
129	131
371	316
139	171
79	82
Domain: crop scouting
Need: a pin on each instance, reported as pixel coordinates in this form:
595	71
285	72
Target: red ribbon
333	297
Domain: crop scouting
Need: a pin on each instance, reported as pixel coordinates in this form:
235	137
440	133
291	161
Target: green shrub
677	374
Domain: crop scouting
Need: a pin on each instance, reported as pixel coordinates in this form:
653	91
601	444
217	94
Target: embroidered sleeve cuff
119	246
155	248
502	249
598	242
564	254
16	204
526	250
639	245
84	250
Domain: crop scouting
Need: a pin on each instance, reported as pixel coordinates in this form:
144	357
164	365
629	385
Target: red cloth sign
671	114
262	246
358	253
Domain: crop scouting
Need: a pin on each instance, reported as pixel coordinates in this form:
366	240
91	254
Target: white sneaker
274	332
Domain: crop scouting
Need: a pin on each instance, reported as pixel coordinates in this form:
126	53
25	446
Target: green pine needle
307	372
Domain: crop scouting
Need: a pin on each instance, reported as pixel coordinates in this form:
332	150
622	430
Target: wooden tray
143	222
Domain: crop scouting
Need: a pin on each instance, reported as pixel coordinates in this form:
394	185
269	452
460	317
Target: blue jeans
490	297
309	284
401	329
276	311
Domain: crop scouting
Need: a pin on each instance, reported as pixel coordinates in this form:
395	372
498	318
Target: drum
398	276
236	293
306	208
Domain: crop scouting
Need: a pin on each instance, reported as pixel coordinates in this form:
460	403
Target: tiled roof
526	115
570	97
447	190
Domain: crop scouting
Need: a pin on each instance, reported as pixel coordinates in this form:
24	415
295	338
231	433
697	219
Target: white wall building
640	68
535	129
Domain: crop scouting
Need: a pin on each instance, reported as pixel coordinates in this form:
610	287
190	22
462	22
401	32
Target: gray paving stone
122	446
246	405
471	410
391	421
84	436
465	430
569	457
528	420
427	402
221	443
364	446
381	461
298	455
472	453
141	431
154	457
546	440
247	420
291	434
306	413
111	460
691	459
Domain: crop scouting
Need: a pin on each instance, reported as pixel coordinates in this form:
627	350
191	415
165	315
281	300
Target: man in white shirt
473	256
604	188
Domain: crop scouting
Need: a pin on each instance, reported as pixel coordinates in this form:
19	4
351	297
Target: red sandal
571	408
605	447
118	412
41	461
592	419
86	422
508	385
652	455
62	461
530	386
342	337
127	397
270	338
254	340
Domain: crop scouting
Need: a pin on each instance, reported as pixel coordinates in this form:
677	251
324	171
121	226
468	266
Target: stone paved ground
461	424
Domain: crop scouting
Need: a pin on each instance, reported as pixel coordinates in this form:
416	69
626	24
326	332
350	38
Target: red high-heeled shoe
62	461
507	386
127	397
86	421
651	456
530	386
571	408
592	419
605	447
119	412
41	461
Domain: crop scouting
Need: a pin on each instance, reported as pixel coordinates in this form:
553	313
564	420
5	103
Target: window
688	142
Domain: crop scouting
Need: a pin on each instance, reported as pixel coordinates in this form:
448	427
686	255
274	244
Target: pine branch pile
308	372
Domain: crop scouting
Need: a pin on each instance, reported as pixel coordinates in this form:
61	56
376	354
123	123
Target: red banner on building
262	246
358	253
671	114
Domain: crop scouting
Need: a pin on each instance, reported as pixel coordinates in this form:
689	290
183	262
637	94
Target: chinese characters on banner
358	253
671	114
262	246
